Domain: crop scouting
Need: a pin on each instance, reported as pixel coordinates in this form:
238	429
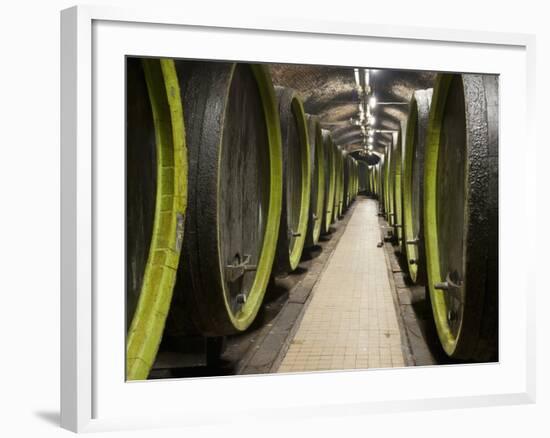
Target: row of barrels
437	186
227	181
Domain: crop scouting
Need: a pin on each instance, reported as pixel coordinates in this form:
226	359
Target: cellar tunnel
300	218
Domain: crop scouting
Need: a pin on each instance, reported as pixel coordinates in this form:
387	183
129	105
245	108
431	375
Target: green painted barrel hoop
145	332
476	277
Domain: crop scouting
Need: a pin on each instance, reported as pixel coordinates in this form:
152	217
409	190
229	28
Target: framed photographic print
253	209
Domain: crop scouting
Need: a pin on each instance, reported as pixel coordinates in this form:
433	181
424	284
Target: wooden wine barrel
156	181
339	186
355	179
357	188
235	196
385	182
371	177
330	180
375	178
371	184
318	175
335	211
341	198
461	214
296	181
397	188
378	177
348	181
388	186
351	194
413	184
364	175
380	181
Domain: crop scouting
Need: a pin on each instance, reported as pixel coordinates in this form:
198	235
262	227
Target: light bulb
357	80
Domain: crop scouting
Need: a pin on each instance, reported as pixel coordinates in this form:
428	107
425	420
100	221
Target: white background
29	219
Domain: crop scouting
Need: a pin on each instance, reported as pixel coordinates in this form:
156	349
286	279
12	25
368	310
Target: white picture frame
94	41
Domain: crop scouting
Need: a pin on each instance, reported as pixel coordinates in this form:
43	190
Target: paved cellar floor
350	322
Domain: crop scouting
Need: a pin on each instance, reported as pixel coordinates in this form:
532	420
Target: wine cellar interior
297	218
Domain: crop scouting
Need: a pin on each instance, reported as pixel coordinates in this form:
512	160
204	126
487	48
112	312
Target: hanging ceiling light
372	101
357	79
367	80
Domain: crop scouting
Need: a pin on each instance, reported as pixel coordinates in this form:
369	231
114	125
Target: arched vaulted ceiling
331	93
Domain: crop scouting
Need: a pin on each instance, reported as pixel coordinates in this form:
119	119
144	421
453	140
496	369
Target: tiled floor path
351	320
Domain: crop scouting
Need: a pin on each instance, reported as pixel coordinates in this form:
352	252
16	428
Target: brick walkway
350	322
